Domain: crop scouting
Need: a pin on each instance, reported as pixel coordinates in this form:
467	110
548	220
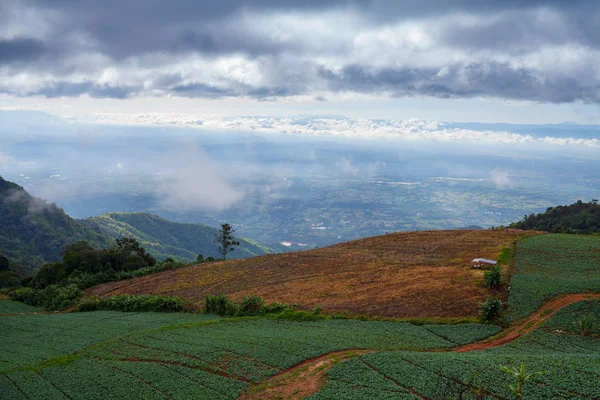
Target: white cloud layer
411	129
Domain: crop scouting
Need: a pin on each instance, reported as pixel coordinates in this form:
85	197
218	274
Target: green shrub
490	309
493	277
137	303
215	304
247	307
585	325
50	298
520	377
276	307
253	305
85	280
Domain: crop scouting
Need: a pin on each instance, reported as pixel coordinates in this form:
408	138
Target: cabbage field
571	365
114	355
117	355
547	265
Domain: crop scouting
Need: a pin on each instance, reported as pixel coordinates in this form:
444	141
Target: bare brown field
406	275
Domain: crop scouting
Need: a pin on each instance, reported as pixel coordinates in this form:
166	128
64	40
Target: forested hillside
578	217
34	232
163	238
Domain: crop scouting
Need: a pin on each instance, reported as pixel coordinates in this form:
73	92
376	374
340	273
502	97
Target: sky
487	61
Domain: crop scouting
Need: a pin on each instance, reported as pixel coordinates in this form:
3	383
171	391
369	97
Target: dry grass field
408	274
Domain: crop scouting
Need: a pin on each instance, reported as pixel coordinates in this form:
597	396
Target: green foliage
50	298
4	263
163	238
216	304
552	264
490	310
578	217
10	279
34	231
86	280
252	305
248	306
224	238
136	303
507	256
493	277
570	318
585	325
87	266
520	378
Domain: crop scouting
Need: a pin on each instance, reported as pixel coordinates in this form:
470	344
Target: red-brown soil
409	274
300	381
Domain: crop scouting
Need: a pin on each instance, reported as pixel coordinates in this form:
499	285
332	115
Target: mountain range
163	238
34	232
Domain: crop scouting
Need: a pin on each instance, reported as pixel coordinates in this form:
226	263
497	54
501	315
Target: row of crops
571	364
103	355
548	265
31	338
15	307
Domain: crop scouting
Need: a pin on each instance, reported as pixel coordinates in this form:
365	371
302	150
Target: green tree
128	247
81	256
520	378
585	325
4	264
493	277
490	309
224	238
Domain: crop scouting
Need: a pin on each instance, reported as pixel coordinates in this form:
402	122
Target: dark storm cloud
488	49
20	49
126	28
475	79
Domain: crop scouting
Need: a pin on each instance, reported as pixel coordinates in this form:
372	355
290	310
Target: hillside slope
578	217
163	238
409	274
34	232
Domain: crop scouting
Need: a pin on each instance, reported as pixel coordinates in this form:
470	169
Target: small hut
483	262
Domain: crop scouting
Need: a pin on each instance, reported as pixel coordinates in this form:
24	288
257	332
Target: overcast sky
501	61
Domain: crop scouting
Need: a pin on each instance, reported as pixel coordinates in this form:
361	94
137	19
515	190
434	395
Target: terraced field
114	355
102	355
407	274
548	265
571	364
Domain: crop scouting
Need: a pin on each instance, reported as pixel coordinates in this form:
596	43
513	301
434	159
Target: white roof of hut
484	261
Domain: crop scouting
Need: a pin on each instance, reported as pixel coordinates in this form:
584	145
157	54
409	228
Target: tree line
579	217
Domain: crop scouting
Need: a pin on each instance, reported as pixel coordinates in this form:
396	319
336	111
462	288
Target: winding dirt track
529	324
309	377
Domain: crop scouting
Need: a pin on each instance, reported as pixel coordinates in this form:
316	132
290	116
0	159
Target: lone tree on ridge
226	240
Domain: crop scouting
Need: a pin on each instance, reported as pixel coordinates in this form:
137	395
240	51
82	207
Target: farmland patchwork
548	265
120	355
